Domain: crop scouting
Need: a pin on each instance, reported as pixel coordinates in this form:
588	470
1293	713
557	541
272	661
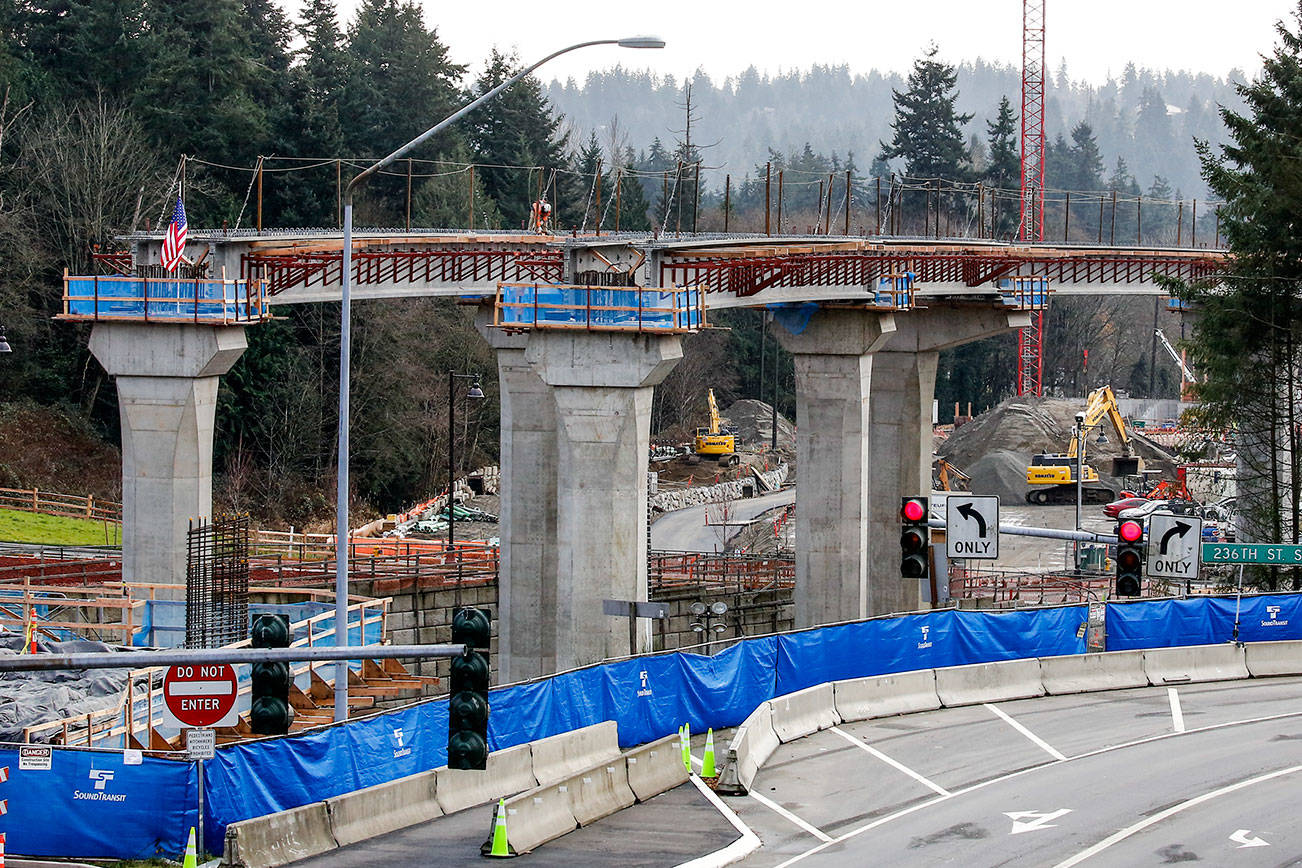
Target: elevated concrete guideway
735	270
576	394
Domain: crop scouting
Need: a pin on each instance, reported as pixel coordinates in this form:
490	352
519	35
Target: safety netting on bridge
108	806
598	308
164	300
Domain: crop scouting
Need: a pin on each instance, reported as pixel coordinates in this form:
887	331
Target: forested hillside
107	105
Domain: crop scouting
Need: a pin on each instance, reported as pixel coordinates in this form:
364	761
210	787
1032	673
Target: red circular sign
201	695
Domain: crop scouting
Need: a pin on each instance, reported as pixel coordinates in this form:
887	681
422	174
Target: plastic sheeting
91	805
1172	623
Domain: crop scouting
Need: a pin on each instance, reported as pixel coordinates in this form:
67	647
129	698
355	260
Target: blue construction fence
649	697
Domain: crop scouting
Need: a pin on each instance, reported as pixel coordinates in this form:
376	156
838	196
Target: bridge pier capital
167	378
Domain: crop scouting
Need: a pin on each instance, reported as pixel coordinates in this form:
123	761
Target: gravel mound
754	421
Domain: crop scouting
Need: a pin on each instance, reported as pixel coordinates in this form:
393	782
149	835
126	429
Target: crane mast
1030	340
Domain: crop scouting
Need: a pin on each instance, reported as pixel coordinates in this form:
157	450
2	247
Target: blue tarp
91	805
164	299
1172	623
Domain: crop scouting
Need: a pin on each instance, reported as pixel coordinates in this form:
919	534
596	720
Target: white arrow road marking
1170	812
1245	838
1177	716
1041	821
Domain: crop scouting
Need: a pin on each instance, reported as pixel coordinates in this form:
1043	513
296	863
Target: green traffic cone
191	855
501	848
687	746
707	765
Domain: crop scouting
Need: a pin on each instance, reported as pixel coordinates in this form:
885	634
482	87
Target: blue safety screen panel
91	805
542	305
177	300
1172	623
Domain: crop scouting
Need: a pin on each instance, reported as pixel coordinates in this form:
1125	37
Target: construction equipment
714	442
947	477
1187	378
1051	474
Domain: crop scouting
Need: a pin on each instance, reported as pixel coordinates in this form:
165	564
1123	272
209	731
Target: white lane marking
1040	820
863	745
1177	716
748	843
1035	739
889	818
1170	812
790	817
1245	838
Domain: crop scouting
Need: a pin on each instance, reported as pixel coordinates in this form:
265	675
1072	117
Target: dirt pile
754	421
996	447
43	447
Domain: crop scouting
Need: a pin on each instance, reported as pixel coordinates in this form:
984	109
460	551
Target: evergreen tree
632	202
1247	342
1004	170
590	163
520	129
928	129
1086	159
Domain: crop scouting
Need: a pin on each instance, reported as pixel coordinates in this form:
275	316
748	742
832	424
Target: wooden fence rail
63	505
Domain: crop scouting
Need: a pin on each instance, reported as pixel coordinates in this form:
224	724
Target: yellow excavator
713	442
1051	474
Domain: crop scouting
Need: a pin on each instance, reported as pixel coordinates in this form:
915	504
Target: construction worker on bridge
540	217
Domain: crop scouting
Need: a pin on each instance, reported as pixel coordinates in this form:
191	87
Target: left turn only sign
202	695
972	526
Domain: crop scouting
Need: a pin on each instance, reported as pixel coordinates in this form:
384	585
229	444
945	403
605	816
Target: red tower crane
1030	347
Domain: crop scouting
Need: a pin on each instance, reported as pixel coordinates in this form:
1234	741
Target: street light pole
345	345
475	392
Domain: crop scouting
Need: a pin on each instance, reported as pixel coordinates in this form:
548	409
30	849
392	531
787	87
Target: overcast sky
1096	38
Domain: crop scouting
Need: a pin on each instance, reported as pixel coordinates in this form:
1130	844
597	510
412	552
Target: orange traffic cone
2	850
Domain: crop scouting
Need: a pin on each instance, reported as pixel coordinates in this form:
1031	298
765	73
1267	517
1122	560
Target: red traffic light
1128	561
913	510
912	542
1130	531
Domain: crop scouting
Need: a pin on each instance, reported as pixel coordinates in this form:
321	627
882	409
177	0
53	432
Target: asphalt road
700	528
673	827
1138	777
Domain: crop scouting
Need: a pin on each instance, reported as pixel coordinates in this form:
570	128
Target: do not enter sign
201	696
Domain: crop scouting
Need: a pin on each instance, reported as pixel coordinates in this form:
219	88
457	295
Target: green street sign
1251	553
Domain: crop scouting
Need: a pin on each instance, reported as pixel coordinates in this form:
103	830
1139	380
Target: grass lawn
30	527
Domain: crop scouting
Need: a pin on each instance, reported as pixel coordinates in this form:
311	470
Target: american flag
174	243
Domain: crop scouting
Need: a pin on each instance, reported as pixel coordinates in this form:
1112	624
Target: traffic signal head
270	631
914	537
270	713
1130	558
468	704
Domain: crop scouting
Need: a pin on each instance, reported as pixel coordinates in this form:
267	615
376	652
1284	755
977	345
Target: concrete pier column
527	578
834	367
167	378
602	385
903	389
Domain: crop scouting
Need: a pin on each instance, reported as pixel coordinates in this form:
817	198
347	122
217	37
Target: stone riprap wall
674	499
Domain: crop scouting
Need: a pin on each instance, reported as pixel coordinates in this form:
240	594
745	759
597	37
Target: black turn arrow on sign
970	512
1180	529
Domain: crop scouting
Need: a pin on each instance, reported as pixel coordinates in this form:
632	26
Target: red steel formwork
1030	340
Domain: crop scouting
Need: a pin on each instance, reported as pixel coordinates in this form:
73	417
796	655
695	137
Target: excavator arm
714	413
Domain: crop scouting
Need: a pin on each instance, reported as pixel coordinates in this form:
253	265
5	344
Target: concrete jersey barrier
796	715
655	768
540	815
751	746
599	792
1165	666
563	756
1265	659
383	808
886	695
278	839
1082	673
509	771
989	682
